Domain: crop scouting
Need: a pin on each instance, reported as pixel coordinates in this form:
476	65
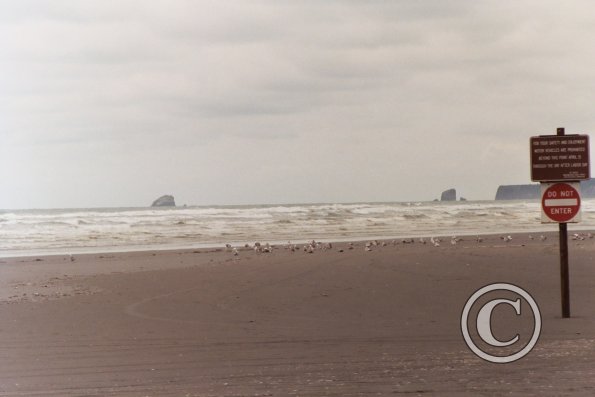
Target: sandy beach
357	322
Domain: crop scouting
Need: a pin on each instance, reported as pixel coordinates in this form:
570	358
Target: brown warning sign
559	158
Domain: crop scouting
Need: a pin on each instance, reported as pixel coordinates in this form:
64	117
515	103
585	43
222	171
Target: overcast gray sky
114	103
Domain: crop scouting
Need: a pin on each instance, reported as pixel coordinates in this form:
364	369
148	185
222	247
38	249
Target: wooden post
564	272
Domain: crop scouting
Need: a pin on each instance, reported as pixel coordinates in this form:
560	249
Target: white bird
542	237
531	237
235	251
310	249
350	246
71	258
479	239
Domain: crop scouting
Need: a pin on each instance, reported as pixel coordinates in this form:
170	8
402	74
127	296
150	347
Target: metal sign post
564	271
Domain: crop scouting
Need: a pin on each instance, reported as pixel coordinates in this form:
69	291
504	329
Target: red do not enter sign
560	202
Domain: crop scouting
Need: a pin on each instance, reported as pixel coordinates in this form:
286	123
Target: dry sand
206	323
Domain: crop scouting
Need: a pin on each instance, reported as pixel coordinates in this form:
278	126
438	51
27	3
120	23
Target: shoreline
8	254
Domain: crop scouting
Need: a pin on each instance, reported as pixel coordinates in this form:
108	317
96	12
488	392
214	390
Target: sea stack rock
164	201
449	195
518	192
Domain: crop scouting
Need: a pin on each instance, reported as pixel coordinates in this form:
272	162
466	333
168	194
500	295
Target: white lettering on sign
560	211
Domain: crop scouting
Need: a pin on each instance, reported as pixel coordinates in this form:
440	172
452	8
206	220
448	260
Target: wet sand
207	323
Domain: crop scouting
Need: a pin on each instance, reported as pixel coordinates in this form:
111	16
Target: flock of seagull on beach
314	245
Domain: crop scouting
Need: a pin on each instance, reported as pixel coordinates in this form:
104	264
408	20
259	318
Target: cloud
368	89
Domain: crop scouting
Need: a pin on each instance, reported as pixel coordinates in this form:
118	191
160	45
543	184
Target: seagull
531	237
479	239
235	251
310	249
542	237
350	246
422	240
71	258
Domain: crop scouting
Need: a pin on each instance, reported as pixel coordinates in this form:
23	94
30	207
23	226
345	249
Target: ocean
36	232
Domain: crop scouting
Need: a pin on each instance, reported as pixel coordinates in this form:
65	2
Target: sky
115	103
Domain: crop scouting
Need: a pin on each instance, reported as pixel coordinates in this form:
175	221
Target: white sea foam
33	231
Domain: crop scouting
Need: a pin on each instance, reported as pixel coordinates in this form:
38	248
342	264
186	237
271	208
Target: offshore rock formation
448	195
588	188
518	192
164	201
533	192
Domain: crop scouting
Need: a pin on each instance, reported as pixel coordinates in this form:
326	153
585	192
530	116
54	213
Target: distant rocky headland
532	191
164	201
